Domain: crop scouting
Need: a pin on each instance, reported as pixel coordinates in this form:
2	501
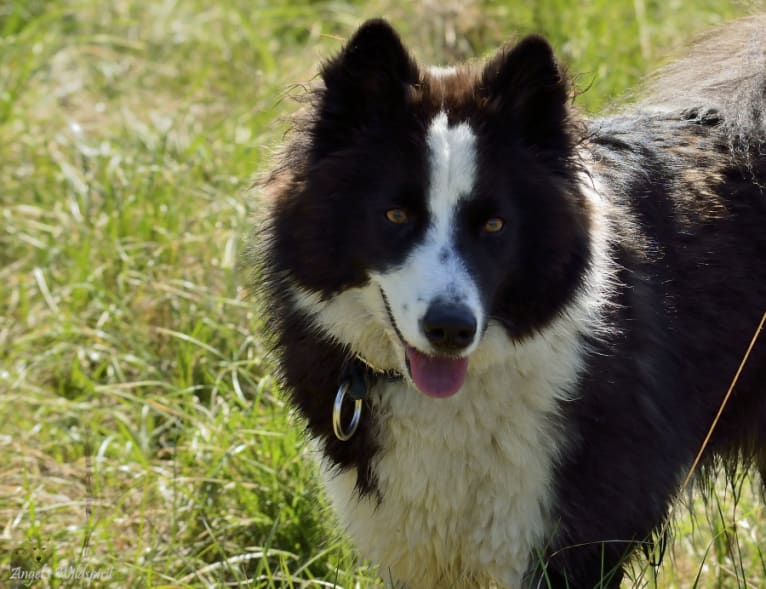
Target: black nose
449	327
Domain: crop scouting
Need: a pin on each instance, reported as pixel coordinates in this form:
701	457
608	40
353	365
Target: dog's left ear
526	92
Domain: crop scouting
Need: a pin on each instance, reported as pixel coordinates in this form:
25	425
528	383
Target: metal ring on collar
340	433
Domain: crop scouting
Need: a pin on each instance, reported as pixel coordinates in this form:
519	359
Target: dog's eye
398	216
493	225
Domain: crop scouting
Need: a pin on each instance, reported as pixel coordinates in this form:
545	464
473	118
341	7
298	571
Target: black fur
692	291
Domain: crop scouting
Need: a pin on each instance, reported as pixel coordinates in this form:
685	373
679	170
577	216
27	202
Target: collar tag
355	382
357	377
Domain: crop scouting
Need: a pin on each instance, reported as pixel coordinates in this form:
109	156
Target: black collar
361	377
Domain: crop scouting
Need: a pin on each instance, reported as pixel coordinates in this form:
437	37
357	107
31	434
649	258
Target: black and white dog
510	329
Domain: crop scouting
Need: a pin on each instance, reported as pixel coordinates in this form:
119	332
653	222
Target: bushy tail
722	78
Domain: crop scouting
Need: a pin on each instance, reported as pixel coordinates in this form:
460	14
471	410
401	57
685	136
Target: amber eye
493	225
398	216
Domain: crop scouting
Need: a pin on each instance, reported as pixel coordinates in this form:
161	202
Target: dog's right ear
370	77
373	68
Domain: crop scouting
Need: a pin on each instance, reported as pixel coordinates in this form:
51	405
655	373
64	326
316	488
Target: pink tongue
436	376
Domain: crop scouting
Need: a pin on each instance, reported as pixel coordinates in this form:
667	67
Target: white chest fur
465	482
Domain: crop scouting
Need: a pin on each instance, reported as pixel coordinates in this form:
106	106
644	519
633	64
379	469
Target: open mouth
436	376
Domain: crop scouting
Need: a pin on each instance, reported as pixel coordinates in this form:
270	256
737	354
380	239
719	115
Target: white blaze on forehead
434	270
442	71
453	165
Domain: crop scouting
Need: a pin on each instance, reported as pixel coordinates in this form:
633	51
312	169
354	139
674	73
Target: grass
142	437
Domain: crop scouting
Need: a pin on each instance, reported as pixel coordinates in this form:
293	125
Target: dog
509	328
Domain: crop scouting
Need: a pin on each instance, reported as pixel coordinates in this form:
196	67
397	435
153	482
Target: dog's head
419	209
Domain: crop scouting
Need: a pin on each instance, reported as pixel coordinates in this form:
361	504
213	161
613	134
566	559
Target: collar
356	379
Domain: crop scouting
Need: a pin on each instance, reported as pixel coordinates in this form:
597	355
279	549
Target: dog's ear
371	76
526	92
373	67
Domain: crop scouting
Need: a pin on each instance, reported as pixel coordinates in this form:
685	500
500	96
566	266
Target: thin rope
725	401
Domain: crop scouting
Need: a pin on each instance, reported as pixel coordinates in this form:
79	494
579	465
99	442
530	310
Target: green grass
140	433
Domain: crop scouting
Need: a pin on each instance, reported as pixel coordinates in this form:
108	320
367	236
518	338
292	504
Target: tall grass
142	438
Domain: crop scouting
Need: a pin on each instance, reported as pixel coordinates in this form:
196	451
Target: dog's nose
449	327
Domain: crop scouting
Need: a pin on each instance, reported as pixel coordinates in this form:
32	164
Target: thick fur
613	307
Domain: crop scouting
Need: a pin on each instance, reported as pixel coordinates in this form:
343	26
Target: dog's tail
722	80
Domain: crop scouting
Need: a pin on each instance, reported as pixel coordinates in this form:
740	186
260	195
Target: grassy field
142	440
